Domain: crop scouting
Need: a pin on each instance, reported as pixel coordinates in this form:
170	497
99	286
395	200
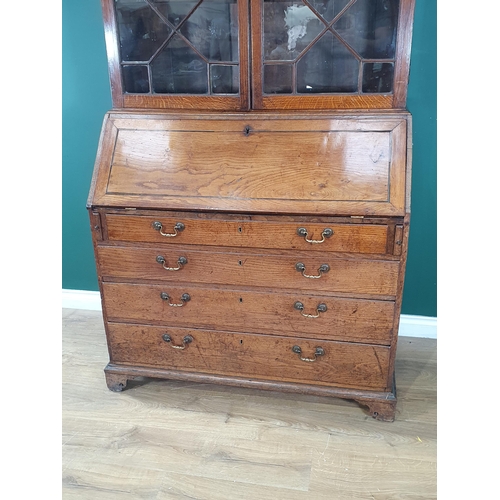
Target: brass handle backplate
185	341
326	233
181	261
158	226
318	352
300	307
184	298
324	268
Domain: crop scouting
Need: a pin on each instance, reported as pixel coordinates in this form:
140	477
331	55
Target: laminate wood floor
161	440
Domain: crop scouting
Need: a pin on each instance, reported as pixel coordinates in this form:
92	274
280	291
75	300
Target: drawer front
300	271
356	238
247	355
268	311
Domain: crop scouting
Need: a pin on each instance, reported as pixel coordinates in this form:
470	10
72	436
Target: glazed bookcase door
323	54
190	54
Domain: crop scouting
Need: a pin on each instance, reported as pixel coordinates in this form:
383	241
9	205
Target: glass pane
328	9
277	79
289	27
327	67
135	79
369	27
213	29
141	30
175	11
178	69
378	77
225	79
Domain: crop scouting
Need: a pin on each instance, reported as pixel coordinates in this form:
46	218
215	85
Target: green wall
420	294
86	97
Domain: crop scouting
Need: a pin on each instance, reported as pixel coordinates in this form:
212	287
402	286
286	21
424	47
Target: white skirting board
409	325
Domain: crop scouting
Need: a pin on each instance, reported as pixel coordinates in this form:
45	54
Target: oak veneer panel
362	276
234	232
255	356
172	101
327	166
259	311
298	166
258	121
318	102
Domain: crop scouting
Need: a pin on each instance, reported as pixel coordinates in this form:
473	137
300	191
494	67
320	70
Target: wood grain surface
180	440
254	356
179	101
321	166
238	232
250	164
332	101
250	310
245	268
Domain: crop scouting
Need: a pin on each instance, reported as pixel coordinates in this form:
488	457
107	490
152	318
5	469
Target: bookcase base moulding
262	250
379	405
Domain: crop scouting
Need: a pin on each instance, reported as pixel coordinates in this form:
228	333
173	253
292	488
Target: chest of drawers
265	251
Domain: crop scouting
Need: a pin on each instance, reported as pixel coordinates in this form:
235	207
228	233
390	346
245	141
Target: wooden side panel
365	238
403	51
241	268
112	50
255	356
268	311
399	296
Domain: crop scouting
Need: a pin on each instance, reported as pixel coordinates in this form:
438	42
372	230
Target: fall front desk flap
331	165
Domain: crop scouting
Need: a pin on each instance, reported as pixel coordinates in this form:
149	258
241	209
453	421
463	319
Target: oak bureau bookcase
251	194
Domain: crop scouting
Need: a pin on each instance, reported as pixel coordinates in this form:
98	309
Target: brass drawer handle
300	307
185	341
158	226
326	233
184	298
319	352
324	268
181	261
